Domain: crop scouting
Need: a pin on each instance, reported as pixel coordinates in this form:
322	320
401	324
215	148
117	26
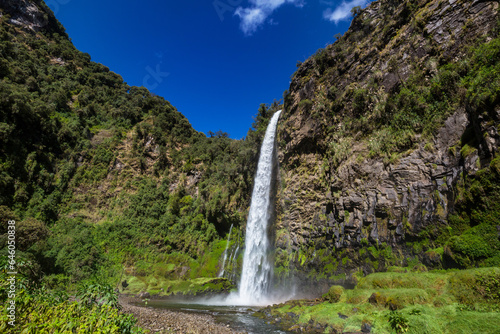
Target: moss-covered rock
334	294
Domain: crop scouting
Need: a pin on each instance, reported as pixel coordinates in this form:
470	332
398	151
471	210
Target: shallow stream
239	318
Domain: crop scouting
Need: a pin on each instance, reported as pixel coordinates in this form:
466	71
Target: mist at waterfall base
257	273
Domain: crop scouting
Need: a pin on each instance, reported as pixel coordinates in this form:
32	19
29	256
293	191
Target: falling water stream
257	267
257	272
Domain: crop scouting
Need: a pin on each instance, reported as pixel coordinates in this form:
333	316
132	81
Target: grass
460	301
395	280
161	286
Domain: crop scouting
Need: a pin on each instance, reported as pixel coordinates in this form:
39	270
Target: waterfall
257	268
221	274
233	264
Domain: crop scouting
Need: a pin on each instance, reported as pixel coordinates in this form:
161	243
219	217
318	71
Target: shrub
100	294
355	11
305	105
398	322
476	286
39	310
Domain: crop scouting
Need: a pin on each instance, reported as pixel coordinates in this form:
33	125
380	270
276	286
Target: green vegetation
110	183
100	174
392	122
395	117
39	310
475	220
306	105
111	187
334	294
159	286
398	322
436	302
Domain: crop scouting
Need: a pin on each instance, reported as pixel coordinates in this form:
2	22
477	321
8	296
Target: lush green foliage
39	310
53	99
90	294
478	211
398	322
66	123
100	175
109	183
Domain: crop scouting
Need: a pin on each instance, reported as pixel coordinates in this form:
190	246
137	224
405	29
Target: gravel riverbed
166	321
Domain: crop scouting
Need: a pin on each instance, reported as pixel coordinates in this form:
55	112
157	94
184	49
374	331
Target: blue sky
214	60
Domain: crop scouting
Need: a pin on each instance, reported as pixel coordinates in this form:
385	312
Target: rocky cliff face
31	15
370	162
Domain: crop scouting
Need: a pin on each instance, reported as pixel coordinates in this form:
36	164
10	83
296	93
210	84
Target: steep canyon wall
371	165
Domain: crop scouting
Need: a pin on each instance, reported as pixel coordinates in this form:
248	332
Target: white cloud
254	16
343	11
251	19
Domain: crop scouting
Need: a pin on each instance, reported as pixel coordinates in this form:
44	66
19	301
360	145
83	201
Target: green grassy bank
401	301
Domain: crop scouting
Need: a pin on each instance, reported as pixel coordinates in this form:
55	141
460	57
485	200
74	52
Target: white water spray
257	268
